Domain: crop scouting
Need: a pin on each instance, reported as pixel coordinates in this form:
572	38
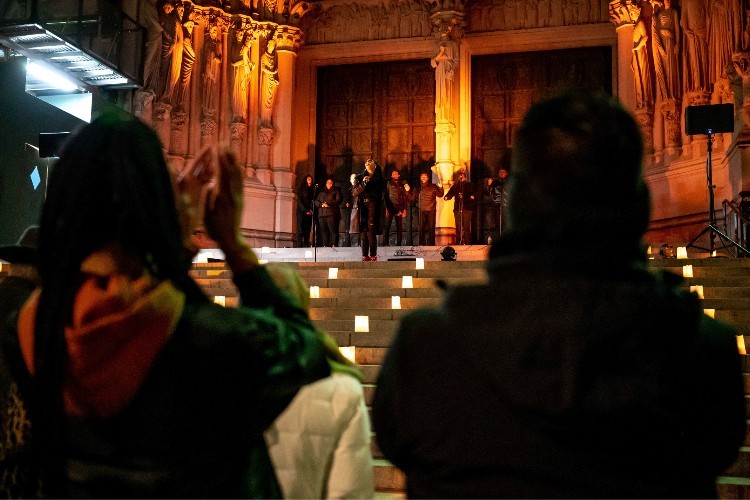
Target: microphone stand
461	210
314	228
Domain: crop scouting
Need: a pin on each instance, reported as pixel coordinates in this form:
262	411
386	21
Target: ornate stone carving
237	138
698	98
208	129
645	118
265	136
504	15
288	38
695	28
188	56
352	22
666	50
269	82
143	105
162	112
672	110
178	138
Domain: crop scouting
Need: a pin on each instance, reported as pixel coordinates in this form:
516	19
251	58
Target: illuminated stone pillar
448	27
623	14
288	40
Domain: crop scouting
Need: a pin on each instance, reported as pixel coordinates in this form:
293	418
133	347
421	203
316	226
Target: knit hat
576	175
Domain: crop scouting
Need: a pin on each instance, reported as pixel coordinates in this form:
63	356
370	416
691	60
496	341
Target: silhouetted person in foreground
17	477
141	387
576	373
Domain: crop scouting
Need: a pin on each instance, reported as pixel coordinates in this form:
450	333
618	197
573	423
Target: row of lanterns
687	272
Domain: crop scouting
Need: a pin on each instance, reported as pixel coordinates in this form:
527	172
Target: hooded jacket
564	376
169	399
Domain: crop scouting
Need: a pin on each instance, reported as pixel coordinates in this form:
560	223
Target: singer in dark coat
369	187
463	207
305	199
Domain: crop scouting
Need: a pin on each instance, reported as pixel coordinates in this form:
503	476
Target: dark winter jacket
562	377
332	198
194	427
395	200
305	198
462	191
370	194
426	196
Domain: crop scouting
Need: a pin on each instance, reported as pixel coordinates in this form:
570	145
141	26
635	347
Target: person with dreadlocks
141	387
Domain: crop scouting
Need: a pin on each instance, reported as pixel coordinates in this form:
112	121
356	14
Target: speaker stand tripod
711	228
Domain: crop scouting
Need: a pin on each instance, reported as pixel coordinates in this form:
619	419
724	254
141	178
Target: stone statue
724	36
695	29
153	15
666	49
171	53
270	82
157	79
188	58
211	69
445	62
644	91
243	71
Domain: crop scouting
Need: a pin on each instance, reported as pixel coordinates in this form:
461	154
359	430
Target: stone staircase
365	289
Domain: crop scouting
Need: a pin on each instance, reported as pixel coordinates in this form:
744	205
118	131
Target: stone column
623	14
671	111
448	26
288	41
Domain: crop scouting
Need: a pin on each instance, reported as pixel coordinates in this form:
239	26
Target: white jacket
320	445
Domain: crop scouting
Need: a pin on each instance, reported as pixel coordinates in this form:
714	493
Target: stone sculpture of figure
644	90
188	58
270	82
445	62
695	29
211	69
666	49
724	36
171	32
243	70
152	63
171	54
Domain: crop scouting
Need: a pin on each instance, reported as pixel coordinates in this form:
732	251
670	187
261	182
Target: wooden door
384	111
504	86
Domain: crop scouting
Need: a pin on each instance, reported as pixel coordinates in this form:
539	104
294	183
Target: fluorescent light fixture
53	78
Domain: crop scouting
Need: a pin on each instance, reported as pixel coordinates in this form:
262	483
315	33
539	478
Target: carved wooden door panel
384	111
504	86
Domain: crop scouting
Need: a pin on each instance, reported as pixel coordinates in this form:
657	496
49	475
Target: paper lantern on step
711	313
349	352
361	323
314	292
265	250
648	251
308	254
741	344
687	271
420	263
714	254
697	289
333	273
395	302
262	261
221	300
1	267
407	282
682	253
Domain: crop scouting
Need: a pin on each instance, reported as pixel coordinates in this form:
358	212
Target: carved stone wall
503	15
357	21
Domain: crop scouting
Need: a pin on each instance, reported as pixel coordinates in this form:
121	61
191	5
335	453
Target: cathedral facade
440	86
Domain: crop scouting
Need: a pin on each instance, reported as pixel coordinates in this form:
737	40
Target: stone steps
366	288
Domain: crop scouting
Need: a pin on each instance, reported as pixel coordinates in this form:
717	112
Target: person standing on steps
327	202
463	208
425	195
369	187
395	207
